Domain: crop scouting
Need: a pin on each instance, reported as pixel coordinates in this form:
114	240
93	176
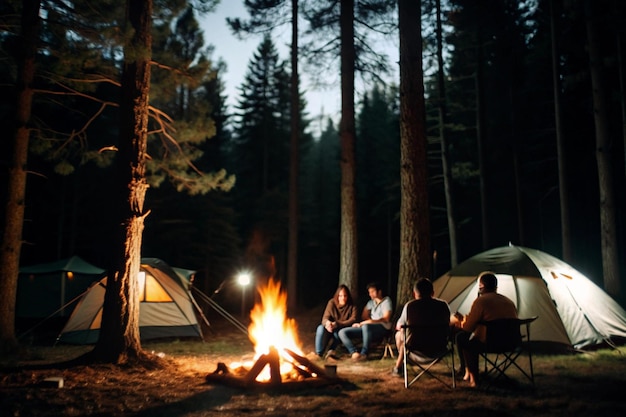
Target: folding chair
506	342
424	347
387	344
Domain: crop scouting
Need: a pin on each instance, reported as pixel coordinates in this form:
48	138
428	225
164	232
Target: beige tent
572	311
166	307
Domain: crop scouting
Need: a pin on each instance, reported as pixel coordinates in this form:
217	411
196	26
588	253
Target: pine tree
320	207
378	162
261	151
119	331
337	31
415	256
16	182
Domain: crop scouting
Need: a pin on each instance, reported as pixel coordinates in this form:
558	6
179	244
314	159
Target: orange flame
270	325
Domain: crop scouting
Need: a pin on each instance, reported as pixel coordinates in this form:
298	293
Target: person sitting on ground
374	325
471	339
424	310
340	312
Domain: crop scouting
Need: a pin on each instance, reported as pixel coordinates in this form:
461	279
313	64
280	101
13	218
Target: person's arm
386	318
387	313
402	320
475	315
328	312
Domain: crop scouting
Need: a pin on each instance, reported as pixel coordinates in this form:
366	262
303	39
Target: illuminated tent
572	311
46	289
166	308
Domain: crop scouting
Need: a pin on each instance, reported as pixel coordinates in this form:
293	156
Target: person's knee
399	339
343	333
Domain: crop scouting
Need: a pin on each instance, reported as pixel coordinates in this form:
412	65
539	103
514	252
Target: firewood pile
304	373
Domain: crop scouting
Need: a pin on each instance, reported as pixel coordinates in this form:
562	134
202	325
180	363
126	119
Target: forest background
500	125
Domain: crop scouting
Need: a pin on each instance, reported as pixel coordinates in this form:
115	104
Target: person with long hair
340	312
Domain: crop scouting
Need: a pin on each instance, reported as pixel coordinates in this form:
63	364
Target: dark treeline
500	126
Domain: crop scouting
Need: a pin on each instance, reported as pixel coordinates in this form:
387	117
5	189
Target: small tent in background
572	311
166	307
45	289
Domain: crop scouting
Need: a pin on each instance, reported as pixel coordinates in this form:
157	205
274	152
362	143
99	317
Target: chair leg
405	368
500	365
388	353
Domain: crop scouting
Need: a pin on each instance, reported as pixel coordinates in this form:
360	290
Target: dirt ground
566	385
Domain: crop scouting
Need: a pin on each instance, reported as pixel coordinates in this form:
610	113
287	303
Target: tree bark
294	156
16	186
119	340
445	155
481	138
415	260
608	236
560	143
347	132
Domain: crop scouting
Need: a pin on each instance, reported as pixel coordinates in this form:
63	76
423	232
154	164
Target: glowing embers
278	358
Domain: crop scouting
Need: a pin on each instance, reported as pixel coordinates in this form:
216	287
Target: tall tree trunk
445	155
119	334
560	141
481	137
294	155
603	157
415	260
622	88
16	186
347	133
516	147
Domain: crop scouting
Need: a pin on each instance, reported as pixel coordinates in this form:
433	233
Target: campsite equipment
572	311
166	307
426	346
46	289
504	345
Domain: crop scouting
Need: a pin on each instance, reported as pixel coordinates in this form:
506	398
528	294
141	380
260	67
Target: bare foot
472	380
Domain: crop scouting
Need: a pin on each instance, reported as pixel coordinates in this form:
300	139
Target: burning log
273	360
306	362
310	373
272	332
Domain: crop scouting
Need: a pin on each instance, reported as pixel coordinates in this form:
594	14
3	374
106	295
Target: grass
581	384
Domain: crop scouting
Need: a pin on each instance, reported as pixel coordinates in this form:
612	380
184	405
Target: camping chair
387	343
424	347
505	341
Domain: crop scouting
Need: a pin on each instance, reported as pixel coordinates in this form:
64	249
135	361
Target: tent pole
52	315
221	311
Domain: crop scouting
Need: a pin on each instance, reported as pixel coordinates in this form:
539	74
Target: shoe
356	356
397	372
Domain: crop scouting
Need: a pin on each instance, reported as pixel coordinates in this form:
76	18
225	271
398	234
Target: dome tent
166	307
572	311
47	289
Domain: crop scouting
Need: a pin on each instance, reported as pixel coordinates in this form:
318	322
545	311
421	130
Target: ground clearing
568	385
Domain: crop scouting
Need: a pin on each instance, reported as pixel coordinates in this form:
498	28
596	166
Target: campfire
278	358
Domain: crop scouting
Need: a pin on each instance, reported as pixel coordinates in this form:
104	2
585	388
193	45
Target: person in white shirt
374	325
